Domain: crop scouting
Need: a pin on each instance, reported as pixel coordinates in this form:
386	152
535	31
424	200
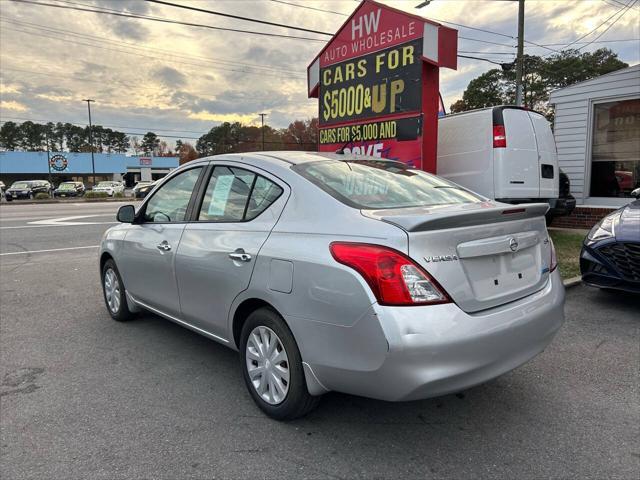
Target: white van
506	153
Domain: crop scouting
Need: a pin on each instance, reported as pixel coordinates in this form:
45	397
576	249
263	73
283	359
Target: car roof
293	157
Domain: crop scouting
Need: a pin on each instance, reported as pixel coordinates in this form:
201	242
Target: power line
311	8
631	4
479	58
591	31
166	20
618	2
599	41
137	54
488	53
238	17
136	46
102	82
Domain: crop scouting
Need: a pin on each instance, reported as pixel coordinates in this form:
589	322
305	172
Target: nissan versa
337	272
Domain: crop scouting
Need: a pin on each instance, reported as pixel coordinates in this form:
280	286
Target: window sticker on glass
220	195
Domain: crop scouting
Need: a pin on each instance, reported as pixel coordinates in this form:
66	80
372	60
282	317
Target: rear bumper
439	349
561	206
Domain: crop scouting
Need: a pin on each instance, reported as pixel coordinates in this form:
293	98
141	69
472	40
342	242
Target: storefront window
615	152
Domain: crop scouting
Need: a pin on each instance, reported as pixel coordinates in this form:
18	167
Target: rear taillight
499	137
394	278
553	263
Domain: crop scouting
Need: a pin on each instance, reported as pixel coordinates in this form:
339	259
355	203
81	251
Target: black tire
122	312
30	196
297	402
9	199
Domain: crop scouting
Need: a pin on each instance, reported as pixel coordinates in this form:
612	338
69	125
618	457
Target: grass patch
568	246
42	196
91	194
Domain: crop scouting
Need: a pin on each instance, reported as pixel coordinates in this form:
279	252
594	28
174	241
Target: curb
77	200
572	282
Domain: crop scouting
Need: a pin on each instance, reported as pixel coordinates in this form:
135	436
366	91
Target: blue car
610	256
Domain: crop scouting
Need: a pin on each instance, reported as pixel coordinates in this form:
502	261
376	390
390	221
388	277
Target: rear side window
236	195
380	184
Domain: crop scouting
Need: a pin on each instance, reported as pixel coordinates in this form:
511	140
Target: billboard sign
377	84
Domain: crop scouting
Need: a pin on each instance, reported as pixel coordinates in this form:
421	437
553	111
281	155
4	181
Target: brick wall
582	217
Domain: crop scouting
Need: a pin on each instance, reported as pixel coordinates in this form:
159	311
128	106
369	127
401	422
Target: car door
547	156
217	253
516	172
148	252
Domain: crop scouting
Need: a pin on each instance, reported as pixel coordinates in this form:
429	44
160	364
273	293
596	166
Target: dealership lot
86	397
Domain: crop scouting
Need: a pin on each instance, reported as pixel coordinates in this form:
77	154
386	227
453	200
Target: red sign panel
372	28
377	84
145	160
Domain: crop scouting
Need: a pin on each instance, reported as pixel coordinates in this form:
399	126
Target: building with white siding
597	132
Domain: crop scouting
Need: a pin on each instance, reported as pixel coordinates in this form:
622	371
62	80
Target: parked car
566	203
27	189
506	153
141	189
338	272
69	189
610	256
110	188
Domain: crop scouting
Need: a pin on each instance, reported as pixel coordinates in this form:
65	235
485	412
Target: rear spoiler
422	219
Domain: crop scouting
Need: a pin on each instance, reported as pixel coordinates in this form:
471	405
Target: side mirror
636	193
126	214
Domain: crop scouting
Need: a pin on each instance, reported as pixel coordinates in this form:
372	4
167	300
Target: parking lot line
47	251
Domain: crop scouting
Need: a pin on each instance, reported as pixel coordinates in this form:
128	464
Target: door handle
164	246
240	256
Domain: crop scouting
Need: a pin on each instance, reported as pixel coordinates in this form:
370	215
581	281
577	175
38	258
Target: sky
180	81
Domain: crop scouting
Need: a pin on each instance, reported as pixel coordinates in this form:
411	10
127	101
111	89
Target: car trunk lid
483	254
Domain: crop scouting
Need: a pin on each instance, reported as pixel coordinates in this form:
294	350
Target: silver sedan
332	272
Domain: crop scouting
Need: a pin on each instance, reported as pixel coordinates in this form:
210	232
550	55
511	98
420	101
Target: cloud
12	105
170	77
128	30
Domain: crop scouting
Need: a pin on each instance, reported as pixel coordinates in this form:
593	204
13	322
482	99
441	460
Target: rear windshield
379	184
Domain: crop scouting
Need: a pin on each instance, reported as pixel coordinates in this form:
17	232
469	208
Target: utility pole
93	163
520	59
262	115
46	136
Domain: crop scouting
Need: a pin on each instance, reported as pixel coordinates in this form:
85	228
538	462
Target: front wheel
114	293
272	367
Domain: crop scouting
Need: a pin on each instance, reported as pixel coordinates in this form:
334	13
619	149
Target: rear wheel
30	196
114	293
272	367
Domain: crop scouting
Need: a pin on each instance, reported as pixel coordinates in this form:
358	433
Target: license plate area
505	274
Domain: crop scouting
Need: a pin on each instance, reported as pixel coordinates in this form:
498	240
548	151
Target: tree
301	135
540	77
186	152
74	137
150	143
120	142
10	136
178	146
32	136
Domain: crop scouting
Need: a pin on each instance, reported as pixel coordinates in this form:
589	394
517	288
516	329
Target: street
83	396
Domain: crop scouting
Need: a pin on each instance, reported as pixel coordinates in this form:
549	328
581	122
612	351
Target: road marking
49	250
66	221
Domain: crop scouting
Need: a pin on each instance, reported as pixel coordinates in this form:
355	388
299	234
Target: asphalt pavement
83	396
